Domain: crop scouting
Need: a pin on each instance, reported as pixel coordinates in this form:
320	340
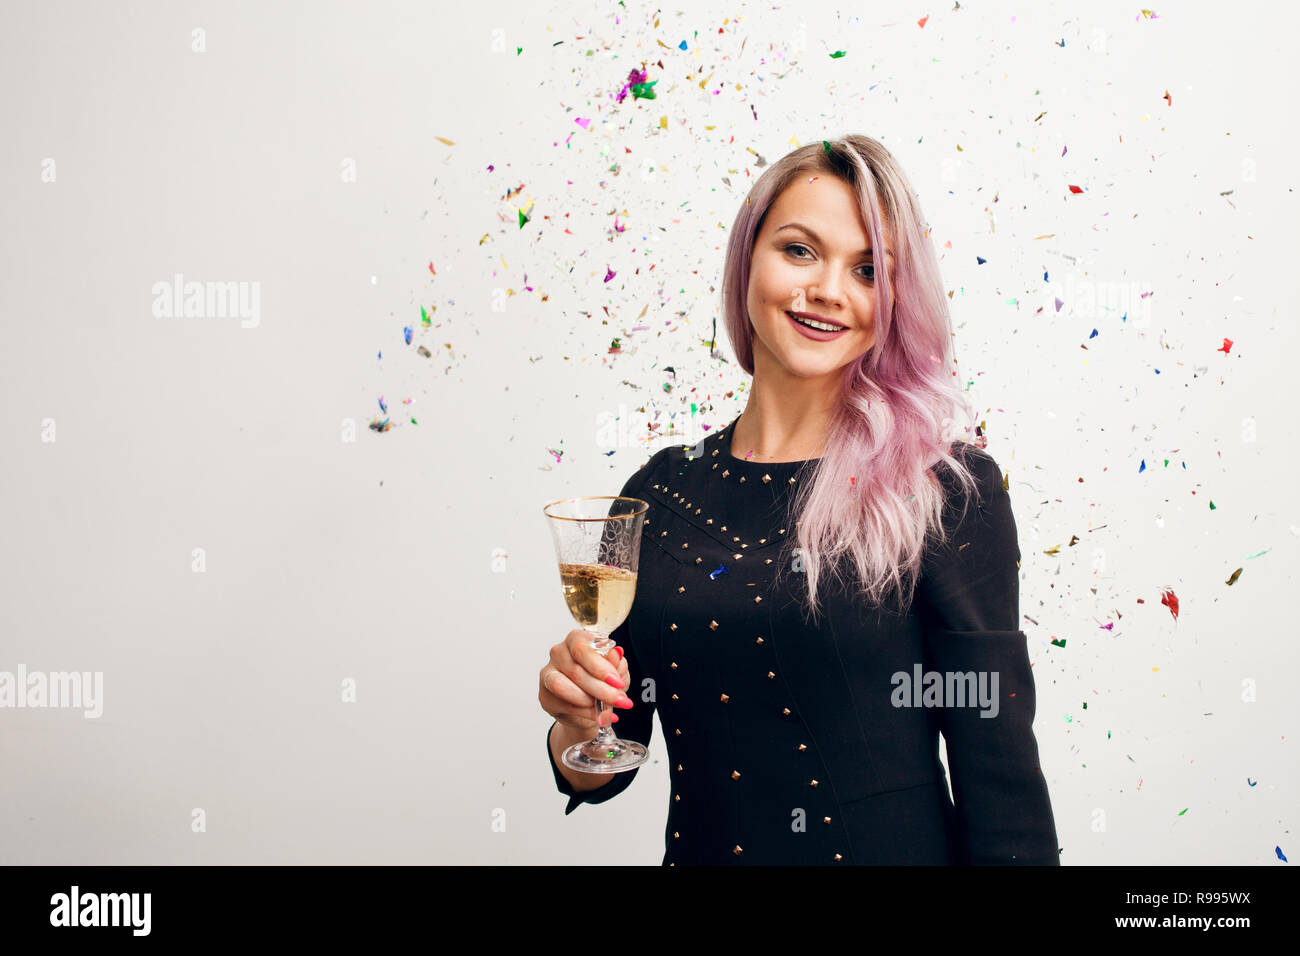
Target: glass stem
602	645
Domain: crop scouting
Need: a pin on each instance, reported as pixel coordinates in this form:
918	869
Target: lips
817	318
817	335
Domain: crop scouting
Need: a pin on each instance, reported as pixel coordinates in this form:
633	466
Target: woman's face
825	270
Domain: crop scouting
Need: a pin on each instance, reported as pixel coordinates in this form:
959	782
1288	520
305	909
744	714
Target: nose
827	288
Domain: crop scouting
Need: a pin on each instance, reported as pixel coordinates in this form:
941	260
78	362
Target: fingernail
620	651
623	701
613	718
613	680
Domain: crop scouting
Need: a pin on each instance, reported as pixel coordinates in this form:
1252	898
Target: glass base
605	756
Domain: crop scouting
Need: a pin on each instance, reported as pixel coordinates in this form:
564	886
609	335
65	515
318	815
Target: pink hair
901	405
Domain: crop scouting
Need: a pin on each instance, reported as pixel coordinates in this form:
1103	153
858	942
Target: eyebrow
815	238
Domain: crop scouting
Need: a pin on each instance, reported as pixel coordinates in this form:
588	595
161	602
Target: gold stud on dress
737	850
770	675
826	819
725	698
681	590
674	696
735	775
812	783
713	625
758	640
803	747
838	858
766	479
673	665
785	712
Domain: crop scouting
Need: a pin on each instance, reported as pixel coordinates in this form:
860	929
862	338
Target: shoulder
650	470
989	482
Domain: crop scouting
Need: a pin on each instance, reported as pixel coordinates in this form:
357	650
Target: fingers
589	670
575	676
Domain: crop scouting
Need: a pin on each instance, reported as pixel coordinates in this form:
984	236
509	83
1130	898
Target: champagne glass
598	546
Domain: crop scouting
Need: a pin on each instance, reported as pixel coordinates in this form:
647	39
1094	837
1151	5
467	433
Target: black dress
793	743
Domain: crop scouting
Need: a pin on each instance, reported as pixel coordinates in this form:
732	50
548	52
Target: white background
372	560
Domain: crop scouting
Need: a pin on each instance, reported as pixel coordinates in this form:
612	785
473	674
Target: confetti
721	569
1280	855
406	333
1170	600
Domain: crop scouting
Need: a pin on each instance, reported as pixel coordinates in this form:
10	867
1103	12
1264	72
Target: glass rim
642	509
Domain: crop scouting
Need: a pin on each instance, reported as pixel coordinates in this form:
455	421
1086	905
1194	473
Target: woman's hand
575	676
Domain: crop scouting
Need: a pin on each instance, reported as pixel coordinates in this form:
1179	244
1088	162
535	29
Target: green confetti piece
837	54
414	422
644	91
826	146
1185	809
1085	705
522	219
1258	554
1069	719
424	317
518	50
1058	643
1212	508
1108	735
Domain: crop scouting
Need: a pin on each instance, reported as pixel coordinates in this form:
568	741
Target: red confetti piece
1075	189
1225	347
921	22
1170	600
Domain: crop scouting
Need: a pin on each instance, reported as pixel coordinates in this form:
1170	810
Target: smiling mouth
817	324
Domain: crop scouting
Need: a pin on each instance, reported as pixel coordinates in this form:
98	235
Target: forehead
827	205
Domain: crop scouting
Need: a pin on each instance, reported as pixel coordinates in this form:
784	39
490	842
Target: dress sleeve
968	598
636	722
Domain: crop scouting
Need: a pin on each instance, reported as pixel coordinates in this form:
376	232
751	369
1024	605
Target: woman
803	670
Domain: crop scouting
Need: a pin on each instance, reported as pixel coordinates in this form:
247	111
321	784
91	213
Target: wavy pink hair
900	405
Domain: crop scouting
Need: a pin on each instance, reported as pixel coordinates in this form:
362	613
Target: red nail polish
613	718
620	651
613	680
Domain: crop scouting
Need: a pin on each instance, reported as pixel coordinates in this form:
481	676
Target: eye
871	269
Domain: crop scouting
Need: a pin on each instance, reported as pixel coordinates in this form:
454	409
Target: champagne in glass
598	546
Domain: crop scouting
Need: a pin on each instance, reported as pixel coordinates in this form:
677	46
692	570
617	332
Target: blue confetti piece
1280	855
980	260
682	45
406	332
722	569
1251	782
1095	333
1143	466
383	405
1044	275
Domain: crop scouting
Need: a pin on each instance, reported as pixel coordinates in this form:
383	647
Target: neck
789	424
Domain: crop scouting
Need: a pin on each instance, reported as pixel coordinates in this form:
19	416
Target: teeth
816	325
